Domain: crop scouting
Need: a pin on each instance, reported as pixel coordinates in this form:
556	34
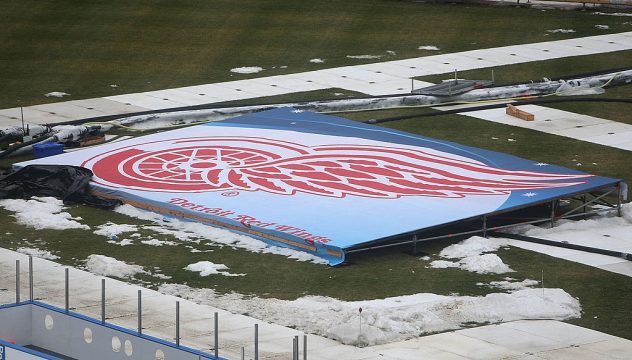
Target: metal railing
296	350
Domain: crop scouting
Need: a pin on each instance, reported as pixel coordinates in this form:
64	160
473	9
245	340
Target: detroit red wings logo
280	167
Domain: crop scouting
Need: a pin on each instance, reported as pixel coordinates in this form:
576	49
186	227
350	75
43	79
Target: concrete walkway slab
146	101
564	123
389	68
518	341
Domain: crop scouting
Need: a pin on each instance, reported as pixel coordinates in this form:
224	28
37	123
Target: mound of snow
111	229
108	266
206	268
602	27
475	245
512	285
156	242
247	70
123	242
317	61
428	47
563	31
364	56
470	252
43	254
482	264
56	94
392	319
590	227
42	213
612	14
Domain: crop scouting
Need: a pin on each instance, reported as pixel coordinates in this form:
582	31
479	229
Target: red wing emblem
280	167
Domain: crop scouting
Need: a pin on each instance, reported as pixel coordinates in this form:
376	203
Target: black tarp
68	183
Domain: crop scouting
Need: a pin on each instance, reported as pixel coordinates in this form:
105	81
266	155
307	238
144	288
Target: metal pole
619	189
102	301
67	290
140	314
177	323
243	353
216	335
484	226
295	348
17	281
304	347
22	115
584	201
552	213
30	277
256	341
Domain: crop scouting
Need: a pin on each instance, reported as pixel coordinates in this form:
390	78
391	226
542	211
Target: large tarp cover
318	183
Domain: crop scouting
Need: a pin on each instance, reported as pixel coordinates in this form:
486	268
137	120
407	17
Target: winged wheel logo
336	170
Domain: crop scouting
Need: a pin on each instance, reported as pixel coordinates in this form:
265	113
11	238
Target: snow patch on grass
602	27
475	245
482	264
612	14
111	229
43	254
472	258
42	213
247	70
365	56
206	268
513	285
317	61
56	94
123	242
562	31
428	47
156	242
108	266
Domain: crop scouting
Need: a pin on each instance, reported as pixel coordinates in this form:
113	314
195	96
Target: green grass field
83	47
